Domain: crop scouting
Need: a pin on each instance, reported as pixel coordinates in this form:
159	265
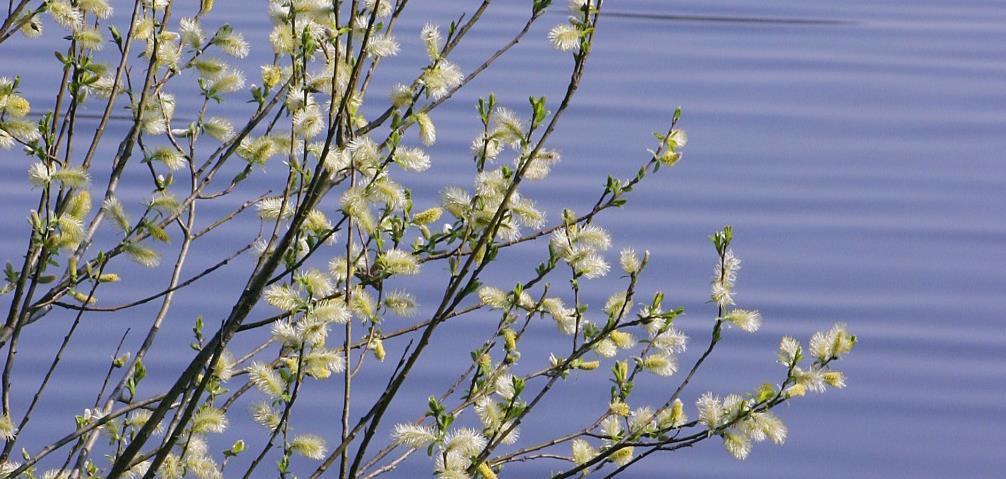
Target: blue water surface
856	147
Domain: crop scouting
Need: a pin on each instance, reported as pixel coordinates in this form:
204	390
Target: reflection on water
856	147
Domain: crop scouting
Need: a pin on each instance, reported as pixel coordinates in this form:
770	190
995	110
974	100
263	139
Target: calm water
858	157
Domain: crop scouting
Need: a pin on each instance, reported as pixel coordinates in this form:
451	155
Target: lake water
856	147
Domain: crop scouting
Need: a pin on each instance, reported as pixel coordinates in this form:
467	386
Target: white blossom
465	441
582	451
789	351
564	37
709	407
737	444
441	78
661	364
412	159
746	320
309	446
834	343
629	261
65	14
413	435
380	46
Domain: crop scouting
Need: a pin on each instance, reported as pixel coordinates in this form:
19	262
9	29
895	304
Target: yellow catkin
378	347
588	365
510	336
486	471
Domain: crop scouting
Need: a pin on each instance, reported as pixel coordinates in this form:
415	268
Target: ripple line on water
728	19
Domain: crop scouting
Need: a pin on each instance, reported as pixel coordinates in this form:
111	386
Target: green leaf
539	111
538	6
